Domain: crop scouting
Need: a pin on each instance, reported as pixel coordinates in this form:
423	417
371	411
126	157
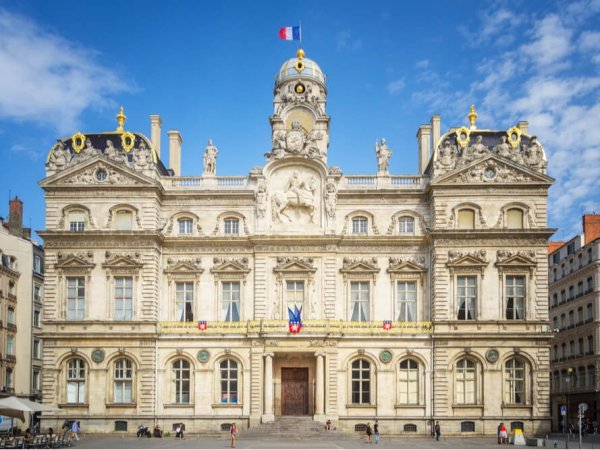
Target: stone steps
290	426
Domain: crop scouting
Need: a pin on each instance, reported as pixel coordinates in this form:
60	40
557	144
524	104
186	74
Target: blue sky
207	68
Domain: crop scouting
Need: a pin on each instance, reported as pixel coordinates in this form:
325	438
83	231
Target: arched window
229	381
76	381
123	220
123	381
185	225
514	218
231	225
360	225
181	381
409	382
361	382
515	377
406	225
466	382
466	219
76	220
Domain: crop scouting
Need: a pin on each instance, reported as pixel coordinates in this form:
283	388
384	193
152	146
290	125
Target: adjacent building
574	302
21	291
422	297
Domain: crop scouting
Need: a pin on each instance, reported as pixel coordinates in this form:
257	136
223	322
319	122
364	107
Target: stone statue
384	154
210	159
506	150
446	156
261	200
89	151
60	157
297	142
534	155
115	155
475	151
330	200
142	157
297	194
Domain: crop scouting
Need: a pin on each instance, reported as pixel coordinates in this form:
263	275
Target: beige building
574	302
21	287
167	296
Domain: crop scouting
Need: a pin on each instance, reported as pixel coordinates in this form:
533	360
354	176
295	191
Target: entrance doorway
294	391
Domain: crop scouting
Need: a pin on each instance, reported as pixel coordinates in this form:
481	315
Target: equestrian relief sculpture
298	194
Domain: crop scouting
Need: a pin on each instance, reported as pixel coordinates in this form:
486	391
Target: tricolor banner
387	325
295	319
290	33
202	325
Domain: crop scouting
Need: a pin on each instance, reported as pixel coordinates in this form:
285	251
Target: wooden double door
294	391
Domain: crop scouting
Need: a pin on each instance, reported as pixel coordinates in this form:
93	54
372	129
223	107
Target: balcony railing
310	327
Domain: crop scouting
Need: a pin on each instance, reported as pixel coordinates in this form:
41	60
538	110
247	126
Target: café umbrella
17	407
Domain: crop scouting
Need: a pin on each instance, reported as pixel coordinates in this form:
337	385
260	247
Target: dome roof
299	67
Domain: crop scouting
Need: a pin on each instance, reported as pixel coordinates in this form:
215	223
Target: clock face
492	355
385	356
299	88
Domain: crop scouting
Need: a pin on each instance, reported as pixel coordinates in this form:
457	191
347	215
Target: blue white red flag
202	325
387	325
290	33
295	319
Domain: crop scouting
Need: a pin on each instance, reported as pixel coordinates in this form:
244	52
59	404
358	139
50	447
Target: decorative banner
295	319
387	325
202	325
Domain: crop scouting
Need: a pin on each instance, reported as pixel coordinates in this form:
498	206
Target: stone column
320	386
268	415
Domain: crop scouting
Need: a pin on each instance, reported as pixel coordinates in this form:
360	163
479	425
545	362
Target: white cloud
345	41
551	43
48	79
589	42
422	64
394	87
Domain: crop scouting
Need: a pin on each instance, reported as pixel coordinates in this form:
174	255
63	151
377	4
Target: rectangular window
466	297
232	226
294	295
515	297
184	295
556	258
10	345
590	344
580	289
466	219
35	380
571	248
579	315
37	318
231	301
76	221
581	347
590	312
37	348
406	295
360	225
124	220
123	298
185	226
75	298
359	301
37	292
590	284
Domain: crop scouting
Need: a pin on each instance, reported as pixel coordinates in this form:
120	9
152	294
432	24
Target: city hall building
423	297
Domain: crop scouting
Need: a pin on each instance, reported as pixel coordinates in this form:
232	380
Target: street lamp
566	426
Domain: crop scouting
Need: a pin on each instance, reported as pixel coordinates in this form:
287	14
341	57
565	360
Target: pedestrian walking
179	431
437	430
376	431
503	434
234	434
75	430
368	433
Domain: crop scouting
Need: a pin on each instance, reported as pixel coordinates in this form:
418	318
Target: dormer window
185	225
76	221
360	225
406	225
124	220
514	218
466	219
231	225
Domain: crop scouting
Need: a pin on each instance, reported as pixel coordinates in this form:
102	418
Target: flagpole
300	26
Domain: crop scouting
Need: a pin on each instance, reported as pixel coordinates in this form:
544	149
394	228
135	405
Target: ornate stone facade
411	325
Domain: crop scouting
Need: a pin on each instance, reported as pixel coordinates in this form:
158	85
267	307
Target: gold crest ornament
121	118
78	142
514	137
127	141
462	136
472	118
299	65
299	88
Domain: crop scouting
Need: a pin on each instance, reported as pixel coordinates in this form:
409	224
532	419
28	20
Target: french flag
290	33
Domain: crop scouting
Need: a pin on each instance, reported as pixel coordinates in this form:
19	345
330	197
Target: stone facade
167	296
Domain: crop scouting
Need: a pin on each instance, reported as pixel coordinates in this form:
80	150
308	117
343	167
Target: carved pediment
184	266
492	169
467	261
230	265
407	265
75	261
97	172
360	265
294	264
524	260
122	261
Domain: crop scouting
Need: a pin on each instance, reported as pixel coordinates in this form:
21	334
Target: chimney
424	140
523	125
591	227
155	123
435	130
175	141
15	216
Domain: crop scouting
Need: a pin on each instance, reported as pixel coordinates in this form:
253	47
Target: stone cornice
538	233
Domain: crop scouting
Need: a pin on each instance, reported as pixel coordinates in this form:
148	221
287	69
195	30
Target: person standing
369	433
438	430
234	434
503	434
376	431
75	430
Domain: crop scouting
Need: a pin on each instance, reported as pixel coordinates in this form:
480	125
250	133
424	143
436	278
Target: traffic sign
583	407
563	410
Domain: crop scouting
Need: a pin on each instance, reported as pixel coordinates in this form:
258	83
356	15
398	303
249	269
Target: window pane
466	219
123	220
466	297
75	298
514	218
359	301
184	298
406	225
406	292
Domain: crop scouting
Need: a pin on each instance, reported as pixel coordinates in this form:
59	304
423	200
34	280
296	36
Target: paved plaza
332	440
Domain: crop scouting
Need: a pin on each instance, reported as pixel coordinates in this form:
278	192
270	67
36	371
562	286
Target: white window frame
513	378
359	378
123	301
402	304
181	297
231	226
37	348
406	225
76	304
507	296
476	287
76	374
179	375
185	226
231	368
368	301
120	223
292	294
77	220
409	382
229	302
467	377
360	225
123	381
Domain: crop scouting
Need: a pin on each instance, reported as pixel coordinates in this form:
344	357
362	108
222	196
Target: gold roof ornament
121	118
514	137
472	117
299	65
300	53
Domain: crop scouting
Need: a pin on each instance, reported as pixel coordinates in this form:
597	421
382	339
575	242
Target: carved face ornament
294	140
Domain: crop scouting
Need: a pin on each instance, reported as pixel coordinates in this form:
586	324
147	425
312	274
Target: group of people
369	432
